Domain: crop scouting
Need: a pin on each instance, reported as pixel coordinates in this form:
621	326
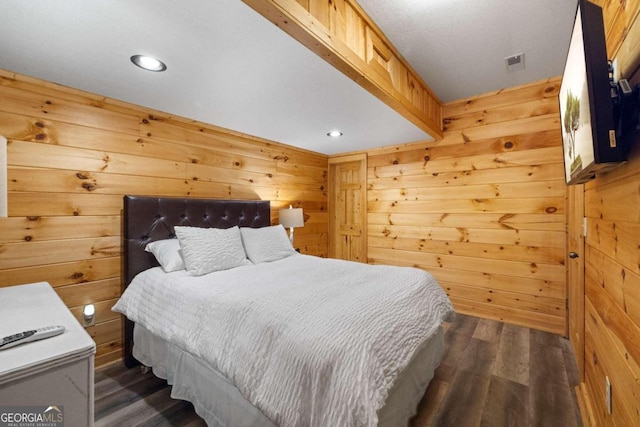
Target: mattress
220	404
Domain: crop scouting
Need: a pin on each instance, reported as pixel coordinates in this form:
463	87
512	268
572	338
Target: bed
293	340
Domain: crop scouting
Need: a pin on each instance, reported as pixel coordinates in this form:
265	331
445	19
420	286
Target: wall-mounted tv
586	109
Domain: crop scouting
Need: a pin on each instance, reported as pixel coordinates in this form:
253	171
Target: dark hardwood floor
492	374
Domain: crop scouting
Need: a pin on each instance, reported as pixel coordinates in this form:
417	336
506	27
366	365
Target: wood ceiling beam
341	33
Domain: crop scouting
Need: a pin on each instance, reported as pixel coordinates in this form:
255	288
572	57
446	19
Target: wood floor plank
545	338
507	404
573	375
129	395
479	357
512	361
141	411
550	398
488	330
113	379
463	405
456	343
430	403
480	382
182	414
464	325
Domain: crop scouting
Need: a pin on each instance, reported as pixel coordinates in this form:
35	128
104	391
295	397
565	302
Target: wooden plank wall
483	209
612	276
73	155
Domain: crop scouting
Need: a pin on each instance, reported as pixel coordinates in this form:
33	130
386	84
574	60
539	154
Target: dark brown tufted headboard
147	219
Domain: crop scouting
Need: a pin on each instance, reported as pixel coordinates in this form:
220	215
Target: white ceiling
458	46
230	67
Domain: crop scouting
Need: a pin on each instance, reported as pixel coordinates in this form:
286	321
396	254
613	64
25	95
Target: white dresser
54	372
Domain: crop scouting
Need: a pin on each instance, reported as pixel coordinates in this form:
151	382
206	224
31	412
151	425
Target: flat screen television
586	109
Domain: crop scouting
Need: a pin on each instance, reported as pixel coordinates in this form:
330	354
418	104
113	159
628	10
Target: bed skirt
220	403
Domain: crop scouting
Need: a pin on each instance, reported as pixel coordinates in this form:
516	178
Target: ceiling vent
514	62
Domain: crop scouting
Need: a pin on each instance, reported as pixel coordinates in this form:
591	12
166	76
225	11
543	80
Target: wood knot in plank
82	175
464	234
502	221
105	159
551	89
551	209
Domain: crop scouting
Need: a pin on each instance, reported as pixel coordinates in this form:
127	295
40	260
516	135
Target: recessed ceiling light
148	63
334	133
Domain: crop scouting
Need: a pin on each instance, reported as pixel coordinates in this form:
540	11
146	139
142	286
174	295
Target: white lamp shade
291	217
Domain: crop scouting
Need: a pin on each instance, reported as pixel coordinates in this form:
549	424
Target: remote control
31	335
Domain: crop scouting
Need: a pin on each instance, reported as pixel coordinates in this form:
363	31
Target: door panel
347	208
575	272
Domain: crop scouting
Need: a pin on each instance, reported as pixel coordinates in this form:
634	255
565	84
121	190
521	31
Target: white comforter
309	341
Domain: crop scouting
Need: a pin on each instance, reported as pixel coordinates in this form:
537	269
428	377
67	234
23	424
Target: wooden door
575	272
348	207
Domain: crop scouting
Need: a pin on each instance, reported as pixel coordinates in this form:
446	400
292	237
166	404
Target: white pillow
206	250
167	252
266	244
